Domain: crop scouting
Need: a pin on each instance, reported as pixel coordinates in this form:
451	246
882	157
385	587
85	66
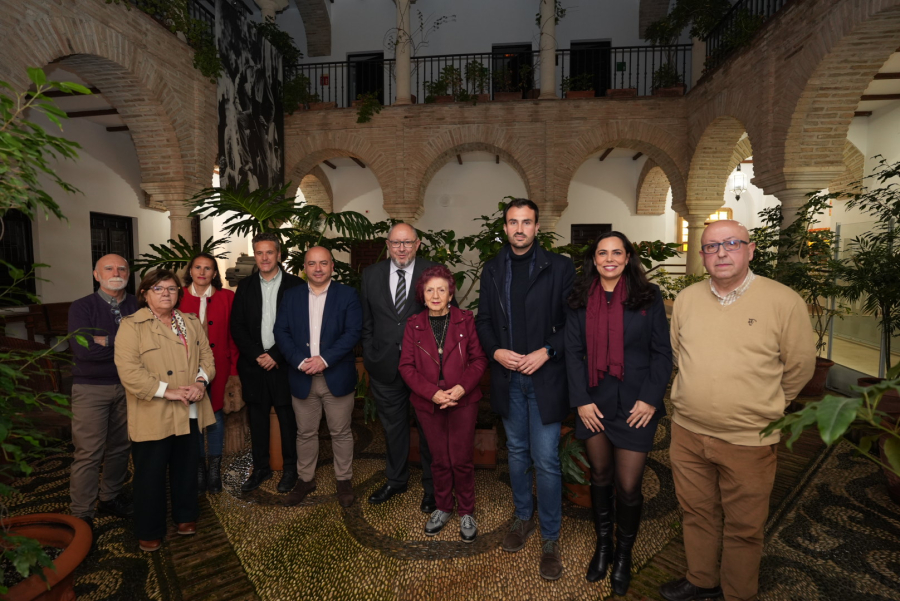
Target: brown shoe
345	493
296	496
150	545
551	562
518	534
187	528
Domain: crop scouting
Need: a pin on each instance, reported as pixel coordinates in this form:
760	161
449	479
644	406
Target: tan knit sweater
739	365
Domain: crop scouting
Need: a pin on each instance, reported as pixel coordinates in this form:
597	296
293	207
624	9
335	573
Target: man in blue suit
316	329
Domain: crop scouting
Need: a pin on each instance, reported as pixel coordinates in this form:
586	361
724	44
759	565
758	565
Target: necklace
444	323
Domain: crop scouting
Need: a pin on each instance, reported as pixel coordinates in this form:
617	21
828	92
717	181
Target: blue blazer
341	330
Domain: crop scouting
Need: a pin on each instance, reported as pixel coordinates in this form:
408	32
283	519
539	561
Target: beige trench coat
148	353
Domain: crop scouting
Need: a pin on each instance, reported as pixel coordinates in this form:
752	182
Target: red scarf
605	329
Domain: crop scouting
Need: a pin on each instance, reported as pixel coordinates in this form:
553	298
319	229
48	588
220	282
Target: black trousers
180	457
258	414
392	402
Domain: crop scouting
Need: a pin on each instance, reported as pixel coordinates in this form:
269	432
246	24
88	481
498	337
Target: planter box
482	97
321	106
573	94
672	91
485	452
53	530
507	96
444	99
622	93
816	385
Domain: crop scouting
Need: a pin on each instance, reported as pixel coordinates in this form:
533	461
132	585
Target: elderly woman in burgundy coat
442	362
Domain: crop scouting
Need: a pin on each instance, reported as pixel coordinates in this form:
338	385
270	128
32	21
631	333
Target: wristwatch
550	352
205	383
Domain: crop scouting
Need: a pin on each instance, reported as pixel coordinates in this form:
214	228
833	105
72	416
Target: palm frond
248	213
176	254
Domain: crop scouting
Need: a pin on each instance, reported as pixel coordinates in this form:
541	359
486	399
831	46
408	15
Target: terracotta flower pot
677	90
482	97
573	94
816	385
890	401
444	99
321	106
507	96
622	93
53	530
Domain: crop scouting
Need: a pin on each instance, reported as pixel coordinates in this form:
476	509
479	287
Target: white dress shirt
316	311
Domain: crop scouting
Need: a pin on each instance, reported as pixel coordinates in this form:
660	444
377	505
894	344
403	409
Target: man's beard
116	284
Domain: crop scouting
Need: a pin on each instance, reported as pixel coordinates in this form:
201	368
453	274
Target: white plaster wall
108	174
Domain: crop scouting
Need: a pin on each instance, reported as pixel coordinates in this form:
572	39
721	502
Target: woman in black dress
619	360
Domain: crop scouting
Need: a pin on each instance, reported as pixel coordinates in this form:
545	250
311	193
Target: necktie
400	296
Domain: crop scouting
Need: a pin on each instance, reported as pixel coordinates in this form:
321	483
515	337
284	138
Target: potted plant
576	473
801	256
25	153
446	87
477	76
297	95
367	105
667	80
504	89
579	86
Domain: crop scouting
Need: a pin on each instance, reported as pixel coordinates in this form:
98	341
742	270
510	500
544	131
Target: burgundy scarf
605	329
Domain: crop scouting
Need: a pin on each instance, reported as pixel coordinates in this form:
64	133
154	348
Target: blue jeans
531	442
215	435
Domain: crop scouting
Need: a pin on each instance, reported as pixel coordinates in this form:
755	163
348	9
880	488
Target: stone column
268	8
172	196
180	220
791	201
696	225
548	50
698	57
402	52
550	218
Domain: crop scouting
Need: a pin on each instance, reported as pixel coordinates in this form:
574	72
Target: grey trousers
100	436
338	412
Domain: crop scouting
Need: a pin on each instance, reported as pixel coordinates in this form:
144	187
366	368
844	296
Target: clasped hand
526	364
186	394
448	398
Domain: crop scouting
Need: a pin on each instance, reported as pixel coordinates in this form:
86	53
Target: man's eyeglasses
403	243
116	313
170	289
729	245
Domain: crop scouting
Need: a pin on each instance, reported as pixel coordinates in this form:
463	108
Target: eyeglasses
116	313
170	289
403	243
729	245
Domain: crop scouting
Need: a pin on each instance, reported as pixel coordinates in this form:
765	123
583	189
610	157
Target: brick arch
743	150
316	189
317	24
652	190
855	164
664	149
168	106
711	164
818	96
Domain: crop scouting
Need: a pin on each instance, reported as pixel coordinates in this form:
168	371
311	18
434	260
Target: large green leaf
892	453
176	254
247	213
835	414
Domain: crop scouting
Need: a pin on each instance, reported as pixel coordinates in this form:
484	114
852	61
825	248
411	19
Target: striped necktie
400	296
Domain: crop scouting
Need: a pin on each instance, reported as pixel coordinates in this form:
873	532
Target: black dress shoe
428	503
288	481
683	590
119	507
386	492
256	478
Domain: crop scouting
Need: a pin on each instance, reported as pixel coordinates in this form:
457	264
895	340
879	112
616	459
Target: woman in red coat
442	362
204	296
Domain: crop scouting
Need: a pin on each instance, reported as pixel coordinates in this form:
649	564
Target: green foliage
667	76
370	410
571	450
296	93
448	82
671	286
558	13
833	416
175	16
26	149
369	105
176	255
578	83
701	15
477	76
742	30
282	41
262	210
655	252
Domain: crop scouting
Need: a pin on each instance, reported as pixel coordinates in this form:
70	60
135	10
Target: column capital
160	194
269	8
404	212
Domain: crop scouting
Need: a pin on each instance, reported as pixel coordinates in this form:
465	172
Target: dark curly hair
438	271
152	279
638	289
216	281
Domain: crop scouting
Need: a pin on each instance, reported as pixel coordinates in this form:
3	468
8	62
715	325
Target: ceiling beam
358	162
637	156
96	113
118	128
330	164
61	94
862	114
866	97
895	75
605	153
459	158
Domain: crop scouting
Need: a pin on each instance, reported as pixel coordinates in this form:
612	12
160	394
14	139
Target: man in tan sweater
744	347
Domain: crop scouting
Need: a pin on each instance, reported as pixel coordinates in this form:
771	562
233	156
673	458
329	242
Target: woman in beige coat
165	364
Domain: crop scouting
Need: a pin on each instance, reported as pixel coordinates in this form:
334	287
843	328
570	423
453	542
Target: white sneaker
468	529
436	522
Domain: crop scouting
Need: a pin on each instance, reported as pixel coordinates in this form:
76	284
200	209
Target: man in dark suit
262	367
316	329
388	299
521	324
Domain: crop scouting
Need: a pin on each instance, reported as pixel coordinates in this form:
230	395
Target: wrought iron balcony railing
737	28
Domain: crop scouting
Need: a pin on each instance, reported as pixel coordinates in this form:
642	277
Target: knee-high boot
215	474
201	476
602	505
628	520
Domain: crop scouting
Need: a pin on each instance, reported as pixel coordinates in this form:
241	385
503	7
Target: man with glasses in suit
388	300
99	420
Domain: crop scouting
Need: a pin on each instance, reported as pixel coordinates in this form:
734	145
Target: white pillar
548	50
268	8
791	201
402	54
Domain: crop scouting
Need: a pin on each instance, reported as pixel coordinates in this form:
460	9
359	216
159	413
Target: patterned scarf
178	328
605	329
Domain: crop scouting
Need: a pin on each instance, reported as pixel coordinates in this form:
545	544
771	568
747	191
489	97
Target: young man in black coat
261	366
521	322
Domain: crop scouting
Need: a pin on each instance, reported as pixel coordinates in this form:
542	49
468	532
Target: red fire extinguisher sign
323	79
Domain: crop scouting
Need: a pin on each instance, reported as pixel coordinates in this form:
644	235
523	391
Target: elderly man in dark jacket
521	322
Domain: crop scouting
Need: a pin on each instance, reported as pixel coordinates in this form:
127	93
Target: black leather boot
628	519
215	474
201	476
602	505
